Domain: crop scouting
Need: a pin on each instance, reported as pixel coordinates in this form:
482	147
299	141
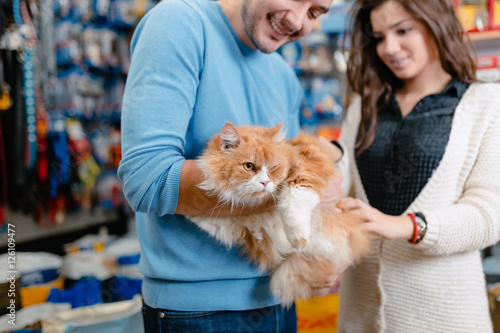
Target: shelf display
479	15
60	120
319	64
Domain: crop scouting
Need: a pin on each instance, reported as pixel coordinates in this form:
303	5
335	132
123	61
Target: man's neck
232	9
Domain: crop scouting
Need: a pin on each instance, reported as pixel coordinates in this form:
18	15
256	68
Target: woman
421	139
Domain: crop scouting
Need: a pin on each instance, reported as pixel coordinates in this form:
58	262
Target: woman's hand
387	226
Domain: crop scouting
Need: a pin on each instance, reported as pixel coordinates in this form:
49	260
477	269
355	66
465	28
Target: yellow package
38	294
467	16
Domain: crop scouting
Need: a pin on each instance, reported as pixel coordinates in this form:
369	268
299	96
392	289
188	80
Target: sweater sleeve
160	94
473	222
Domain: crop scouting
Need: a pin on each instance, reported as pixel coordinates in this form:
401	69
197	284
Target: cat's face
247	164
255	167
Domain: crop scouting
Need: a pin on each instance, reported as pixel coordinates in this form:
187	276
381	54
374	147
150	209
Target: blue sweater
190	73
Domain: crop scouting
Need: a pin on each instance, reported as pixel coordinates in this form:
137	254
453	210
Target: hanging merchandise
62	78
127	12
45	53
67	43
5	104
5	9
307	117
109	190
316	56
13	130
319	64
60	171
21	101
87	168
292	52
5	99
27	29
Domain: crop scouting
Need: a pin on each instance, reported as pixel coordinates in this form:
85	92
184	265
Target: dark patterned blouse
406	151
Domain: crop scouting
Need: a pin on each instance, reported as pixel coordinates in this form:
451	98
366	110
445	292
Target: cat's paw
300	242
297	235
295	207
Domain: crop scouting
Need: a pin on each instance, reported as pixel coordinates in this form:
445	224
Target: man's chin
270	47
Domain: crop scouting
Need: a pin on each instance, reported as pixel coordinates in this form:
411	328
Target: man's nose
295	19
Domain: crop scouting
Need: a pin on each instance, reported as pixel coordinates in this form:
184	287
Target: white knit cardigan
437	285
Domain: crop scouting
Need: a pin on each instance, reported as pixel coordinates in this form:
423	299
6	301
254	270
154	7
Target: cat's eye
274	167
248	166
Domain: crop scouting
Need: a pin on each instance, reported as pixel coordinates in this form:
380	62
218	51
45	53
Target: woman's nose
391	45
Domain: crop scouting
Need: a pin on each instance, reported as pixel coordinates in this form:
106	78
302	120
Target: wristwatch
422	224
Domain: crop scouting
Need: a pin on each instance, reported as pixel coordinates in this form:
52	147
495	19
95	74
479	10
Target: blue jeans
272	319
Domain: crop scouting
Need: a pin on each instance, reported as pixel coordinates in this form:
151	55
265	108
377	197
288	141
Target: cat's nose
264	183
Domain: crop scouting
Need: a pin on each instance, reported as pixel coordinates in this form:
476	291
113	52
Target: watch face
422	225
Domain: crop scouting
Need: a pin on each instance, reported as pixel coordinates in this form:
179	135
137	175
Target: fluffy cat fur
297	242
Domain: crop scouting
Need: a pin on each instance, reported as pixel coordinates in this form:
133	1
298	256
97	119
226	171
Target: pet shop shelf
489	35
30	236
67	96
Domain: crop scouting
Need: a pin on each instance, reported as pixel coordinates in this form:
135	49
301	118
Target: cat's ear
229	136
277	134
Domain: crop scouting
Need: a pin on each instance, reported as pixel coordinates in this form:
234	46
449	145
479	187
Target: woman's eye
248	166
404	31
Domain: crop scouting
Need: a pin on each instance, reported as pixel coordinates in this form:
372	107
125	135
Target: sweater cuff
339	146
172	186
432	233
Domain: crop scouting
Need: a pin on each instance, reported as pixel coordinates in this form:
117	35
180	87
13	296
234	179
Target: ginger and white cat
298	242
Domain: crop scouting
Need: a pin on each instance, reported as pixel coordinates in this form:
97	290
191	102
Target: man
195	65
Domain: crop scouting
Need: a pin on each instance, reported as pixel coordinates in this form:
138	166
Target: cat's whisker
241	210
220	205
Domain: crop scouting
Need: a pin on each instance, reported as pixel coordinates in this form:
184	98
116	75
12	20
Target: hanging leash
27	59
5	104
3	170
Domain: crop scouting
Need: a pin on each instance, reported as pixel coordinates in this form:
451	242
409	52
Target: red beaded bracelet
415	229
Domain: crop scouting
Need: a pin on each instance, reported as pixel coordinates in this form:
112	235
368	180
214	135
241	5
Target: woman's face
403	43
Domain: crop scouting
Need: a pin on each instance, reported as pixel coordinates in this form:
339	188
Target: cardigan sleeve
473	222
347	165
